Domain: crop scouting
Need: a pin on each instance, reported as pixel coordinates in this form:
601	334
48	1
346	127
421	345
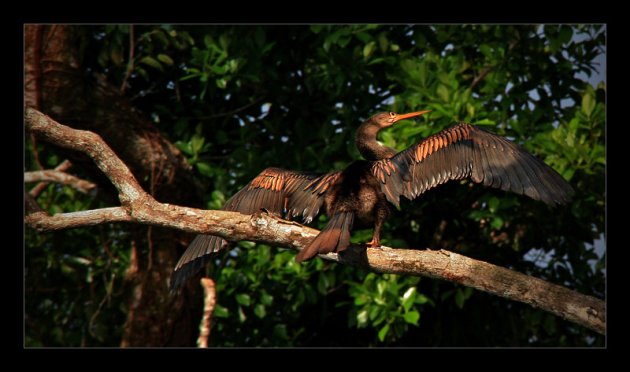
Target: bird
363	192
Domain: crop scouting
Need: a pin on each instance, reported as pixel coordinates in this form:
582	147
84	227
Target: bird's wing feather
281	192
465	151
307	198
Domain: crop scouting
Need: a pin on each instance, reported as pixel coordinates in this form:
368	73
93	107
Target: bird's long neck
368	144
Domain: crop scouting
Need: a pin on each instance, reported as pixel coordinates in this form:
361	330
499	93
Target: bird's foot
374	243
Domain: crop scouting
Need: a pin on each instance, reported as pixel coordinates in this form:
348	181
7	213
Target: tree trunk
56	84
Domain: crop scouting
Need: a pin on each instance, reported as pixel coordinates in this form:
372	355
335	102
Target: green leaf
280	332
364	37
152	62
422	299
368	49
218	195
459	298
259	310
486	50
208	41
221	83
224	41
165	59
566	32
574	124
497	223
205	169
412	317
243	299
493	204
247	245
485	122
160	36
362	318
468	291
220	311
219	70
196	144
383	332
381	286
374	312
470	109
361	299
568	173
142	72
588	103
408	298
241	315
343	41
442	92
266	299
116	55
327	44
443	78
322	284
383	43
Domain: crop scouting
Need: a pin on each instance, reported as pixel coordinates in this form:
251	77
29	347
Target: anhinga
363	190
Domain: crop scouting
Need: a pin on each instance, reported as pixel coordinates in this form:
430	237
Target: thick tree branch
139	207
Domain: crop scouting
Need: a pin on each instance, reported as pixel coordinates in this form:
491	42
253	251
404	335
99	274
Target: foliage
236	99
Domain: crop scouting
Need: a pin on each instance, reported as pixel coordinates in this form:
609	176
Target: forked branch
139	207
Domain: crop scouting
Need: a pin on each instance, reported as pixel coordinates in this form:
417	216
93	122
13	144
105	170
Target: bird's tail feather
335	237
196	255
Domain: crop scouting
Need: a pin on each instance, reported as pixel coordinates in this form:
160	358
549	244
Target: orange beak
410	115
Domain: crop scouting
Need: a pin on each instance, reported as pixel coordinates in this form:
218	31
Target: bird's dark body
357	191
362	193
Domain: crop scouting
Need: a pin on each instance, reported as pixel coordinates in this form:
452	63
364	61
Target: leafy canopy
236	99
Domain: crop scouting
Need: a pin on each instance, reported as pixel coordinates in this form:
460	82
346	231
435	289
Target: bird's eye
392	114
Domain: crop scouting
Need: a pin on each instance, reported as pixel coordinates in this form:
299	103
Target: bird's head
387	119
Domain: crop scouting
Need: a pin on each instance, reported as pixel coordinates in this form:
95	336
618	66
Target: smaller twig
62	167
150	243
232	112
98	310
132	46
209	295
134	266
59	177
35	152
484	72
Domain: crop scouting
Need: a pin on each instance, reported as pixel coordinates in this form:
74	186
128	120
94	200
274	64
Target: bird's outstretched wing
465	151
282	192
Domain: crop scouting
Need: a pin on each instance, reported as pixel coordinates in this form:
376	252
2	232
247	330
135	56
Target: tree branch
209	301
138	206
130	63
42	221
62	167
59	177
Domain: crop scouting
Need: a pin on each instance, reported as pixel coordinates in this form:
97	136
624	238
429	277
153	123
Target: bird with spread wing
363	192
